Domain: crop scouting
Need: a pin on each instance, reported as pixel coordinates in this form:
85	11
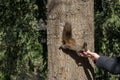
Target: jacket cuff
101	61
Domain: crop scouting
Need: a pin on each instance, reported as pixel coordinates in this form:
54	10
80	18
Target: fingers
88	51
80	54
84	54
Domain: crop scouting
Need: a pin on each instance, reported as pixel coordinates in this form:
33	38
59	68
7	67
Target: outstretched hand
94	56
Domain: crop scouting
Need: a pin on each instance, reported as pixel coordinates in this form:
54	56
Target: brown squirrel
69	42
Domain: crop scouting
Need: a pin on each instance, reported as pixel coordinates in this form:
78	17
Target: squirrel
68	42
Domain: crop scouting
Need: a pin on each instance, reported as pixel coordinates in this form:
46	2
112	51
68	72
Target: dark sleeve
110	64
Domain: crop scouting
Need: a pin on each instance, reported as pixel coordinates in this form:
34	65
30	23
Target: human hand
94	56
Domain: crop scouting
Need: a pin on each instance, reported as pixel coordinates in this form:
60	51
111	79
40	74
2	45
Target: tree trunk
69	66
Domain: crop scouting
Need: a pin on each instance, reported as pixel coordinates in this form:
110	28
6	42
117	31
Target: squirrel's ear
84	46
62	47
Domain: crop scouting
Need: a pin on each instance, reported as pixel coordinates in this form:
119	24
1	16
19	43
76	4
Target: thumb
89	52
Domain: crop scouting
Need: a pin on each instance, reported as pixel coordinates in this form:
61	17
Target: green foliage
20	51
107	31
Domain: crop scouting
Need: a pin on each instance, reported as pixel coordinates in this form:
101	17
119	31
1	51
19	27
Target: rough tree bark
62	65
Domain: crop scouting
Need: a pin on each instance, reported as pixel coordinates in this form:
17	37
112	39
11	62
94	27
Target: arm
110	64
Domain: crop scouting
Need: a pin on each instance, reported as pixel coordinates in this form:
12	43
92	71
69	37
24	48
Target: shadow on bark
81	61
